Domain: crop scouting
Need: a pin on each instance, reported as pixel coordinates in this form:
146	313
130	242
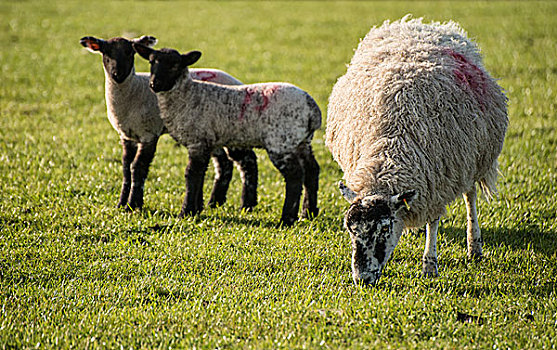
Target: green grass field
75	272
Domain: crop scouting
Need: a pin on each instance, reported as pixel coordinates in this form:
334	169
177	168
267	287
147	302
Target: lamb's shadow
528	237
235	218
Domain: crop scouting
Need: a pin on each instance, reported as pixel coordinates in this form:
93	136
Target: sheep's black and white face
168	66
118	54
375	227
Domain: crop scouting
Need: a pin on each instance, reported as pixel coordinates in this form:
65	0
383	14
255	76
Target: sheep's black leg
129	149
223	175
247	163
195	174
311	183
140	169
290	166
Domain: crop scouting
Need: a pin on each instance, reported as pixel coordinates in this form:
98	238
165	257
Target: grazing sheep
415	122
278	117
133	111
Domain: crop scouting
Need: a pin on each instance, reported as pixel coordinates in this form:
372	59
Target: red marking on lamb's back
469	75
204	75
265	92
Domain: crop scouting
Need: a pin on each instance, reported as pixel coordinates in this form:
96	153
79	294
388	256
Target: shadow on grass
527	238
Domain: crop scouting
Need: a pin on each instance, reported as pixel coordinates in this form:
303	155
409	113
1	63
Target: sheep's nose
367	282
367	279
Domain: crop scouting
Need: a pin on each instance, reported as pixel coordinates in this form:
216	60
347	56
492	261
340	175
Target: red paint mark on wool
204	75
469	75
246	102
265	94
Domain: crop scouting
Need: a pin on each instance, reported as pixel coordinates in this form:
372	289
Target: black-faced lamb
133	111
279	117
415	122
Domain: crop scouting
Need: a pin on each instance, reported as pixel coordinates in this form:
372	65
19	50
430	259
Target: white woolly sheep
278	117
133	111
415	122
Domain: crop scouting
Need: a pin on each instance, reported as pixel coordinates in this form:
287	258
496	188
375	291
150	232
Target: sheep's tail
488	184
315	114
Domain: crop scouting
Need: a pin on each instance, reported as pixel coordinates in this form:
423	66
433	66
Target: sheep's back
416	109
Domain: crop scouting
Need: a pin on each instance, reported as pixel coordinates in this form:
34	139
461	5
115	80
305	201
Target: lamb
415	122
279	117
133	111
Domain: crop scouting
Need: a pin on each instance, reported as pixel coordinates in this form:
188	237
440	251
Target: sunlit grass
75	272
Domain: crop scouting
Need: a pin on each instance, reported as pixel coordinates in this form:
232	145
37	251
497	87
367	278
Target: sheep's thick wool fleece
416	109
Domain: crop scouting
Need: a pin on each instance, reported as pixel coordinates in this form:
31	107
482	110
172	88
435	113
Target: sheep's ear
404	199
346	192
143	50
146	40
92	44
190	58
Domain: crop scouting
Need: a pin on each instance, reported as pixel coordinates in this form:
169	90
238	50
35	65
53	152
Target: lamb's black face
166	69
118	58
372	226
168	66
117	54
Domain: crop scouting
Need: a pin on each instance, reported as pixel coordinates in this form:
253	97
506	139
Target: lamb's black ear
92	44
143	50
190	58
146	40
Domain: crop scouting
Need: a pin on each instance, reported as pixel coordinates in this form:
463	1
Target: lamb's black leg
129	149
195	174
223	175
140	169
290	166
247	163
311	183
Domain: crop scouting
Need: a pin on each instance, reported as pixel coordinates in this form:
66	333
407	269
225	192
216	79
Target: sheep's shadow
526	238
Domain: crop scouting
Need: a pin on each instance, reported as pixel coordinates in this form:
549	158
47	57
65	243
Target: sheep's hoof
475	249
429	268
475	254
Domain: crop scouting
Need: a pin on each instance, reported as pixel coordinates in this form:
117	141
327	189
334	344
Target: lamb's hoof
215	203
188	212
287	222
429	268
247	209
126	207
310	214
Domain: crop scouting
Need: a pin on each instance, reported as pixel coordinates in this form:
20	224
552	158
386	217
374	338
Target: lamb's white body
416	110
141	121
275	116
132	108
278	117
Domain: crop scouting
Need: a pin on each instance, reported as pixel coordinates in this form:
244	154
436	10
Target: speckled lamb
133	111
278	117
415	122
